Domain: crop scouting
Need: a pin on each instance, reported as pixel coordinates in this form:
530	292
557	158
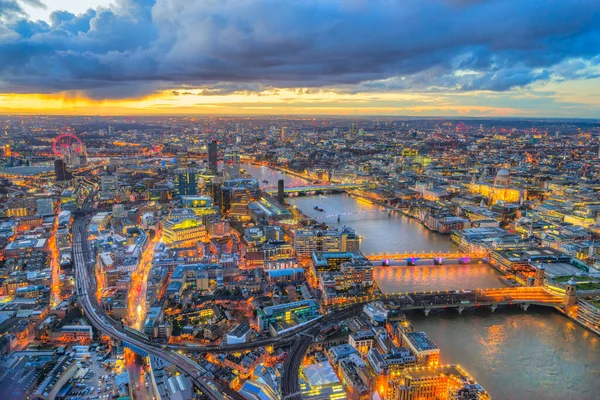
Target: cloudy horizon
323	57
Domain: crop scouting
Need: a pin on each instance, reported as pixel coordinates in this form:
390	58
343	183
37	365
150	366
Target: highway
85	287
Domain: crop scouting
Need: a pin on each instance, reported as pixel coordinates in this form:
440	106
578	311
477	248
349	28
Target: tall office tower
212	156
7	150
187	183
283	133
109	187
240	198
111	129
280	191
60	170
231	161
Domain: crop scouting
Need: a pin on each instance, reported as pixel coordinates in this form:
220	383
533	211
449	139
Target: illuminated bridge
314	189
463	299
340	215
412	258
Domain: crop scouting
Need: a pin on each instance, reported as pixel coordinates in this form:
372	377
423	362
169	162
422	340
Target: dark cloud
246	46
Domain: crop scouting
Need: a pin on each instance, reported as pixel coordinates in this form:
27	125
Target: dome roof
572	281
503	172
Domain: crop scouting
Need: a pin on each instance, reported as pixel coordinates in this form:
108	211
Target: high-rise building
231	161
60	170
240	198
187	184
281	191
111	129
212	156
7	150
109	185
283	131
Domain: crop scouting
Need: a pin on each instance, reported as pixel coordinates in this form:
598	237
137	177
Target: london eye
66	143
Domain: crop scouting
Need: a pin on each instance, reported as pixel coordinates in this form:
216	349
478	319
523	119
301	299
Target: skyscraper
231	161
60	170
283	133
187	183
212	156
280	191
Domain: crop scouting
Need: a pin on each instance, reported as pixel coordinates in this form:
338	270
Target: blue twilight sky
397	57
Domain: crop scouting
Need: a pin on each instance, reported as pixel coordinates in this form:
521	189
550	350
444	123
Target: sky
471	58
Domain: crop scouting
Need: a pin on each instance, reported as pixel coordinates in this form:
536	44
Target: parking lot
94	380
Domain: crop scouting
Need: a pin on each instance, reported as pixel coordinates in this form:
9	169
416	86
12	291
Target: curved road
85	290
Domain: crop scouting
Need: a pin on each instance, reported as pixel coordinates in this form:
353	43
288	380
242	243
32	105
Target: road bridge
461	299
412	257
340	215
315	189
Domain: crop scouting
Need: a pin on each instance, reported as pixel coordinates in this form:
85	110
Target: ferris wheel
67	143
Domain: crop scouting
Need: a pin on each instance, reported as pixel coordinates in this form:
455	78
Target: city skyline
350	58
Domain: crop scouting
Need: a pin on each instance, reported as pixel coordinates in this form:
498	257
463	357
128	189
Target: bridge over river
314	189
461	299
436	257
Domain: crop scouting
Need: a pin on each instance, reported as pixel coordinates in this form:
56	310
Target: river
538	355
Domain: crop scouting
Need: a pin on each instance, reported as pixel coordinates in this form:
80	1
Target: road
85	287
290	385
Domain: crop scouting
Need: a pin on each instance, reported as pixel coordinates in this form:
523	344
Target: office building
280	317
423	348
231	163
442	382
281	191
109	186
238	334
45	206
187	183
212	156
307	241
60	171
184	232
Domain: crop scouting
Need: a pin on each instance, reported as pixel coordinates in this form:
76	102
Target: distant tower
111	129
212	156
60	170
280	191
571	293
7	151
540	274
283	133
591	251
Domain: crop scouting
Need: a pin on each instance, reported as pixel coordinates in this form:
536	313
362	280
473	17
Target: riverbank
506	350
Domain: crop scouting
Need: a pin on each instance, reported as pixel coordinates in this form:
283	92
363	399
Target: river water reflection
538	355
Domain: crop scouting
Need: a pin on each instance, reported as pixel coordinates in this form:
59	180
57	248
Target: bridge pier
493	307
426	311
525	306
